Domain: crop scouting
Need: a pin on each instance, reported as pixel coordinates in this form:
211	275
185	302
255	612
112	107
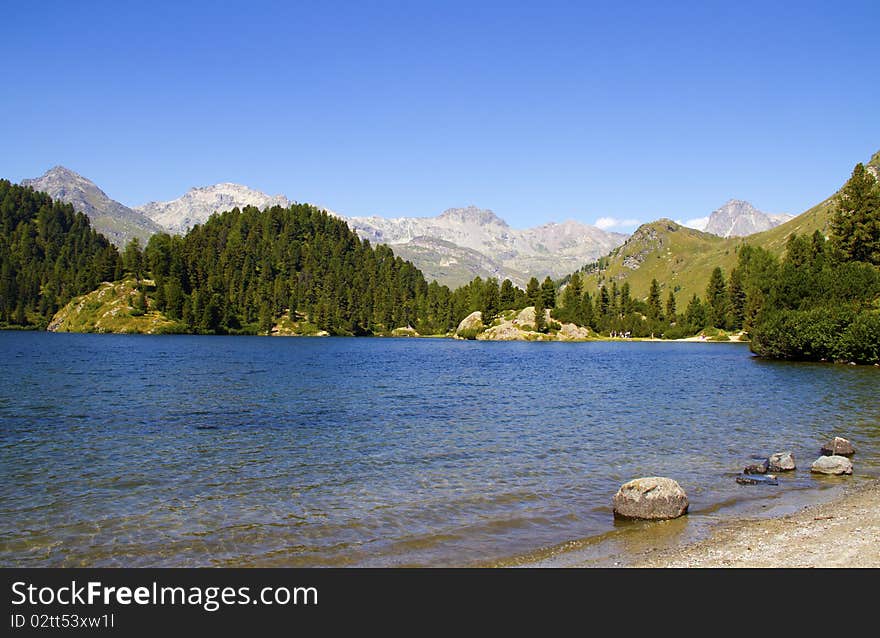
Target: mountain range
453	247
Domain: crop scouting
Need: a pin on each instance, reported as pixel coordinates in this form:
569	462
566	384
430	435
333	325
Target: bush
821	334
861	340
470	333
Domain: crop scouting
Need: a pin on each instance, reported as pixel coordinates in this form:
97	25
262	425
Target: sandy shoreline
844	532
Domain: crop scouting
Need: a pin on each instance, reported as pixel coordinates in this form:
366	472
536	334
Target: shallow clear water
161	451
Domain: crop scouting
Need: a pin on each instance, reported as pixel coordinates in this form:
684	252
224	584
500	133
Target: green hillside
683	258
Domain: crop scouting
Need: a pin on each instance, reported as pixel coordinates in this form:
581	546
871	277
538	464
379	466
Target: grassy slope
684	258
109	309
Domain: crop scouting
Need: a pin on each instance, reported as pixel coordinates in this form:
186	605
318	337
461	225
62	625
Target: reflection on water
133	450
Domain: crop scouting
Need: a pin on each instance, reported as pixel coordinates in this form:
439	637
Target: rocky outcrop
525	317
408	331
838	445
470	326
756	468
571	332
781	462
650	498
835	465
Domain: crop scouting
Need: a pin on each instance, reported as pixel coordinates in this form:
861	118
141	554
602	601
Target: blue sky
539	111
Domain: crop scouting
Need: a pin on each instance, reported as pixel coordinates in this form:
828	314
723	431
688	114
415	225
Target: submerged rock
832	465
651	498
751	479
839	446
781	462
756	468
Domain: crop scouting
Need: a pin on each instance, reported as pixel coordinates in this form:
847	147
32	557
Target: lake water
185	451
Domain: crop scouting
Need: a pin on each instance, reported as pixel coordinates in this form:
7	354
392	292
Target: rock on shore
832	465
651	498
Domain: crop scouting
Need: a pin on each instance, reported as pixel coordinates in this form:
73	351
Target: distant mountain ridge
199	203
453	247
117	222
551	249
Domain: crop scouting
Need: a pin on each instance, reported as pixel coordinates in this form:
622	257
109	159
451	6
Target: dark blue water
148	450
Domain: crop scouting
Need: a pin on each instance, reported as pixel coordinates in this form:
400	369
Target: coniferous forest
48	255
243	268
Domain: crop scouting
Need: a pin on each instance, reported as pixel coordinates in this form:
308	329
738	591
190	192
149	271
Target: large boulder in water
781	462
832	465
470	326
651	498
838	445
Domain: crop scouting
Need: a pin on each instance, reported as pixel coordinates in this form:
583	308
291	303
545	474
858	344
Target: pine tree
716	299
533	291
625	299
548	293
507	295
654	309
540	320
670	307
855	223
737	299
491	300
695	315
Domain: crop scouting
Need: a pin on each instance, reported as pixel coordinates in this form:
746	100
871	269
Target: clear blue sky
538	110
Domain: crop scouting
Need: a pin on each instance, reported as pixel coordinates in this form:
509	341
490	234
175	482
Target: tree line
48	254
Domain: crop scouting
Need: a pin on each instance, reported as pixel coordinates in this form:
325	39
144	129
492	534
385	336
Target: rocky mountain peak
473	215
117	222
738	218
200	202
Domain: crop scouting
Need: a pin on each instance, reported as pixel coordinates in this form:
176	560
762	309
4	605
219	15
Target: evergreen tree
533	291
717	300
737	299
695	315
855	224
540	320
587	316
507	295
548	293
491	300
625	299
133	258
670	307
654	310
571	310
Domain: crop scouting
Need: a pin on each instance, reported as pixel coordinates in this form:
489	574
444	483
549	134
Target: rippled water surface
177	451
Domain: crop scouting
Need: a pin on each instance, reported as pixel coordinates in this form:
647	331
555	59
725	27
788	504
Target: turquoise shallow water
180	451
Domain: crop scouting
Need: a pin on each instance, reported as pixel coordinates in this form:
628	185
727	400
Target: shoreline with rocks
843	532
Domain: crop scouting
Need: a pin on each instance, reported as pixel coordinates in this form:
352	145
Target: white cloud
699	223
612	222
